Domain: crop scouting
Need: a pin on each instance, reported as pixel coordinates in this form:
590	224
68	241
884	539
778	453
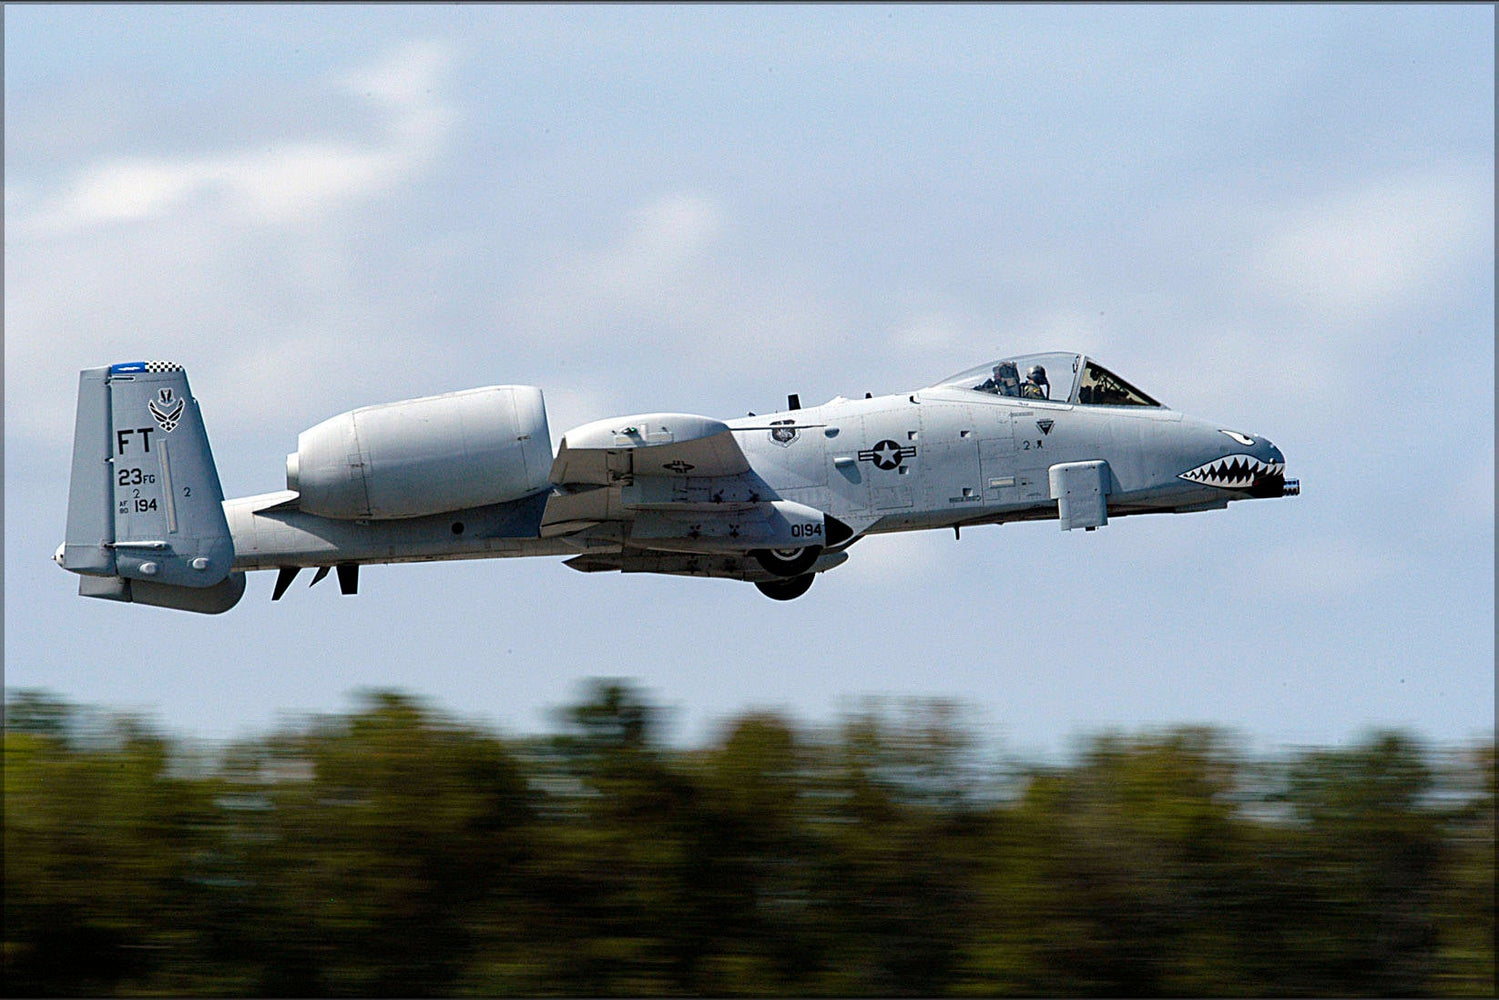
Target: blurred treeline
397	851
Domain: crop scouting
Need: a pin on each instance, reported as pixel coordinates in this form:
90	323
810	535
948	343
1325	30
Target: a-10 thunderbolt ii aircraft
772	500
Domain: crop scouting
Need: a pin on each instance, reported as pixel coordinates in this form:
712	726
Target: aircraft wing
674	493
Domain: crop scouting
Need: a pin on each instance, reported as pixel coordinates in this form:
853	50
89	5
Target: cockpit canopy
1058	377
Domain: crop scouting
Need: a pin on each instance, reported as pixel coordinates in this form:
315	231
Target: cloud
651	286
227	257
1358	253
286	183
1300	304
673	283
661	257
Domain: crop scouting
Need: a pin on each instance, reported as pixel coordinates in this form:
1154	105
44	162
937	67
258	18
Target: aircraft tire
786	590
794	563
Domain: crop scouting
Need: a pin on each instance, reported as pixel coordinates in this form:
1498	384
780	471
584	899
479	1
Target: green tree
1465	905
393	850
897	834
1370	862
621	877
1110	878
99	838
390	840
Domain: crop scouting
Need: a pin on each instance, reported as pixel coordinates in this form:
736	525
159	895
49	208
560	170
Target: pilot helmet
1037	374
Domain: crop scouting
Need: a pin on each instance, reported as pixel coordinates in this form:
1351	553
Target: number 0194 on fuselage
773	499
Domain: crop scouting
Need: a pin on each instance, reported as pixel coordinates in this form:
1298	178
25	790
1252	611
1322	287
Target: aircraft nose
1245	463
1288	487
1275	484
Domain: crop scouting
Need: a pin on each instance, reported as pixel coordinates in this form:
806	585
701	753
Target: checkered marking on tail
1233	472
146	367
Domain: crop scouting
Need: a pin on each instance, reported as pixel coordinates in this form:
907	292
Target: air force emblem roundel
782	432
887	454
166	410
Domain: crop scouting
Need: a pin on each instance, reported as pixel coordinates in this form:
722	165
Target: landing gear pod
787	562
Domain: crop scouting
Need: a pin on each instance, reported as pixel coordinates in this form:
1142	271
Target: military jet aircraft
773	500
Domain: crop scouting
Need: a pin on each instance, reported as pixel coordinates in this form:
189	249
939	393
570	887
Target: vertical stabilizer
145	508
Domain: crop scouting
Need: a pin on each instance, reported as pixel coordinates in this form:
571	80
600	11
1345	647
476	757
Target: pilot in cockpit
1004	382
1036	386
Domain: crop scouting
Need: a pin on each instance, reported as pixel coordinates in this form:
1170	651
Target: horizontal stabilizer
204	600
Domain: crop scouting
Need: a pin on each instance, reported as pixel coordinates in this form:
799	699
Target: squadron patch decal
169	412
783	432
887	454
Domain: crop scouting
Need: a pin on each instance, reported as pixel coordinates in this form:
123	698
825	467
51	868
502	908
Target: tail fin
145	508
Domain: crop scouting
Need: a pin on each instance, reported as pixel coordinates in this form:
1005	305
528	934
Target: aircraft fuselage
936	458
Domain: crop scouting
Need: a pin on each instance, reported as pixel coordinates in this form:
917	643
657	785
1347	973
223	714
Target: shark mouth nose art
1236	472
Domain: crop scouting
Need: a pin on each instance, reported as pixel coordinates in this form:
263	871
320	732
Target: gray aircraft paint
770	499
146	519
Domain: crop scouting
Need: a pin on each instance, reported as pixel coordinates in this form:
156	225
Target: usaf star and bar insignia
887	454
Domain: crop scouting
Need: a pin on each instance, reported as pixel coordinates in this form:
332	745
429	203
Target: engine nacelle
424	456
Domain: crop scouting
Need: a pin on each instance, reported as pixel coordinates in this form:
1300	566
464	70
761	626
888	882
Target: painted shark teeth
1233	472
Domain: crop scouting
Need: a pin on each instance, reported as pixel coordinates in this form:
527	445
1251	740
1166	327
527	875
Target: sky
1277	217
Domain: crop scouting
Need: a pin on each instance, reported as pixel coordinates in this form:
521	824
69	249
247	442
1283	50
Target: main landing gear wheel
787	562
786	590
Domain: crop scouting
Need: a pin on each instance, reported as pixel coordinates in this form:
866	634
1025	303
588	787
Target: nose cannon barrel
1272	482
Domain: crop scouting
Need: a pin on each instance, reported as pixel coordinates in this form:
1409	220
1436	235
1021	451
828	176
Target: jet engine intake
424	456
